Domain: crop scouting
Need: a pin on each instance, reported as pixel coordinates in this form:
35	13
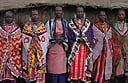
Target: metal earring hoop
30	19
74	15
84	15
14	20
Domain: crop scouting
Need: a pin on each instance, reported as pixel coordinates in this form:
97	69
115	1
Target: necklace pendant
121	29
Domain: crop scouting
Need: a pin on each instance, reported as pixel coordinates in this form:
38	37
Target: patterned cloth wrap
10	47
52	32
100	37
86	34
120	48
35	44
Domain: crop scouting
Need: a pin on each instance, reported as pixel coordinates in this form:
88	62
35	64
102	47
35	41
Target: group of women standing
88	52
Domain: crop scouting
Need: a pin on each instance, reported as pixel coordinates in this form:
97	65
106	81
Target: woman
80	46
120	48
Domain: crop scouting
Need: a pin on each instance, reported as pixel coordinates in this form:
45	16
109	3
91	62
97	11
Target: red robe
102	53
34	51
80	50
10	47
120	51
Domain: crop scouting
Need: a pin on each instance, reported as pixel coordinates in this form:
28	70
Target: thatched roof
10	4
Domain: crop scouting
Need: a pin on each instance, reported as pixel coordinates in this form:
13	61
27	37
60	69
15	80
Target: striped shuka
101	61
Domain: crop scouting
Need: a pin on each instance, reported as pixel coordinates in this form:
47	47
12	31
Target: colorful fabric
120	67
99	72
102	53
51	28
120	48
41	78
56	58
77	70
35	43
10	47
120	26
77	66
79	81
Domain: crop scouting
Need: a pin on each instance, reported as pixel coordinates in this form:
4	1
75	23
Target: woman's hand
59	38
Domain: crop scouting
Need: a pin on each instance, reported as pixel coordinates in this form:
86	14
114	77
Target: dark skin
80	15
102	16
58	13
8	20
80	12
121	15
35	17
9	17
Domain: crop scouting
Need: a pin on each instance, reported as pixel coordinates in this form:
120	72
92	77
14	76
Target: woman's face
35	16
121	15
80	12
102	16
9	17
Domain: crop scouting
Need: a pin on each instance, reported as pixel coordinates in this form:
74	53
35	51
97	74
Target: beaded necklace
121	29
7	27
105	26
79	22
59	28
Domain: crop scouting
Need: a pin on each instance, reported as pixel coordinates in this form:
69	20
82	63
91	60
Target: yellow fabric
88	82
33	57
40	27
38	55
27	27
